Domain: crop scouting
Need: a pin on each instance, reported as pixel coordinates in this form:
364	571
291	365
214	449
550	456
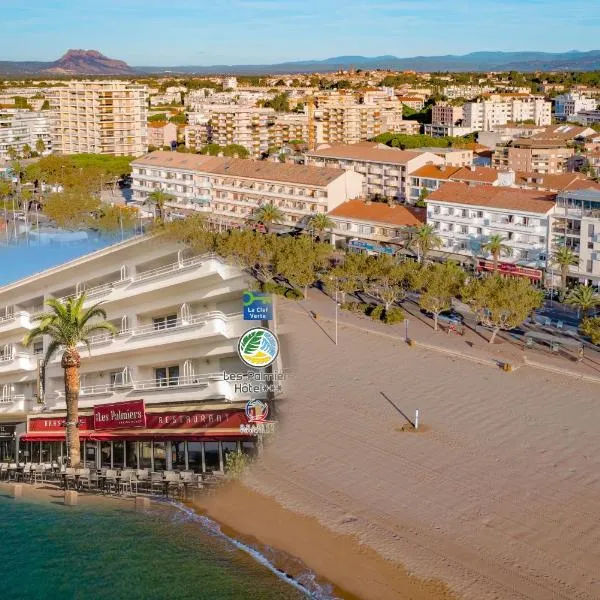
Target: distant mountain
74	62
91	62
476	61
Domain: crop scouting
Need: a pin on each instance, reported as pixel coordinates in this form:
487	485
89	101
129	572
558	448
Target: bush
293	294
236	463
353	306
591	328
377	312
393	315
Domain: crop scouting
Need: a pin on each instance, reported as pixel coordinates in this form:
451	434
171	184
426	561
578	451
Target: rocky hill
87	62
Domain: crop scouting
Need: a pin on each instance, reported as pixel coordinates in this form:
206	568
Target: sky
212	32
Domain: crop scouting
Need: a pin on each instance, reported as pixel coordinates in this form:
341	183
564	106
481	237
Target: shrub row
375	311
271	287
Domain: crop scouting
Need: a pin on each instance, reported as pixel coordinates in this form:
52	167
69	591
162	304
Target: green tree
497	248
389	281
501	302
441	282
158	200
69	325
423	240
12	153
114	218
583	297
40	146
320	223
70	209
268	215
46	105
348	276
591	328
564	258
26	152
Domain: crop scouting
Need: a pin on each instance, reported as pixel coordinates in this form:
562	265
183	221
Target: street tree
423	240
69	325
158	199
40	146
584	298
320	223
501	302
591	328
440	283
564	258
389	281
267	215
497	248
70	209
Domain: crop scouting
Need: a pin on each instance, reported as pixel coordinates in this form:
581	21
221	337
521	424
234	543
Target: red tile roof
365	151
379	212
480	174
435	172
494	197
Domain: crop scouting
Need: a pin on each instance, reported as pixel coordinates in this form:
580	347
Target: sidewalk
473	345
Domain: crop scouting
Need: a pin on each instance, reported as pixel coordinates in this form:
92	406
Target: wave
306	583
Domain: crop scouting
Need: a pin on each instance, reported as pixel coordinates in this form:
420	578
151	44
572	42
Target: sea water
108	550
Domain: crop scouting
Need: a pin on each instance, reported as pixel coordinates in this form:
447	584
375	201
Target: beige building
487	115
385	170
196	136
541	156
161	134
100	117
230	189
446	114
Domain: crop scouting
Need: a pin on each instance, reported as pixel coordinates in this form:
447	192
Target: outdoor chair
156	482
172	481
142	479
70	478
27	472
37	473
12	471
111	480
559	324
84	478
3	471
128	480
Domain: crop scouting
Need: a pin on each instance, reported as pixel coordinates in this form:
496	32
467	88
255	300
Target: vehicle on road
446	316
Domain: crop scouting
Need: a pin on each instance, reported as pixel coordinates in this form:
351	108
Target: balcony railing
184	381
98	290
172	268
13	355
12	398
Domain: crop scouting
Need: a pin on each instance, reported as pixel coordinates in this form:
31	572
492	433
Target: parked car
446	316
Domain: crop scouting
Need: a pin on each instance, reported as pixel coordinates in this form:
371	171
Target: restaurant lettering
121	415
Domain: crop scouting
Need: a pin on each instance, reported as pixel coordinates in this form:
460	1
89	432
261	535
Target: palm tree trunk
435	321
71	363
495	258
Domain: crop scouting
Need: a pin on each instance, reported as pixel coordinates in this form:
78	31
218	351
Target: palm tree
68	325
583	297
320	223
424	240
158	199
267	214
564	257
497	248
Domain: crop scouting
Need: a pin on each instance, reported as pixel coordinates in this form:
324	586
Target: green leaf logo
251	341
258	347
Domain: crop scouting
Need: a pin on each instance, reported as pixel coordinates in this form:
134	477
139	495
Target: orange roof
365	151
157	124
555	182
435	172
494	197
482	174
379	212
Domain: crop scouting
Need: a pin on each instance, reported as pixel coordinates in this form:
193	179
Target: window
590	245
227	448
90	455
211	456
105	455
131	453
160	455
178	456
145	455
118	450
164	322
195	456
479	231
166	375
38	348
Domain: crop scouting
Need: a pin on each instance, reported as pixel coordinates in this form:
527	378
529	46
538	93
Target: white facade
567	105
20	128
178	318
486	115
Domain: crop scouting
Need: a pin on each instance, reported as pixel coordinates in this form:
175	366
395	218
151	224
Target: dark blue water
37	252
110	551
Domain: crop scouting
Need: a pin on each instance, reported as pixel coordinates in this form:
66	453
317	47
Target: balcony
214	324
14	403
18	321
15	361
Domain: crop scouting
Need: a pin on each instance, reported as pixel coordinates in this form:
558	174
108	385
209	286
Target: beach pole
406	330
417	419
336	315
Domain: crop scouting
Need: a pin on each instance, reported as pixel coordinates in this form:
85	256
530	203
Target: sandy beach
496	495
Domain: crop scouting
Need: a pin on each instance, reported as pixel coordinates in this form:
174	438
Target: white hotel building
466	216
228	190
178	318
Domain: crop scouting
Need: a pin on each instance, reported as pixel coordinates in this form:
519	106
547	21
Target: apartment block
373	227
567	105
196	136
289	127
576	224
487	115
465	217
385	170
446	114
100	117
161	134
20	128
178	318
533	154
230	189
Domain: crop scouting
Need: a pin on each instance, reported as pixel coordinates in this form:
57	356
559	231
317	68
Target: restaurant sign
120	415
510	269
